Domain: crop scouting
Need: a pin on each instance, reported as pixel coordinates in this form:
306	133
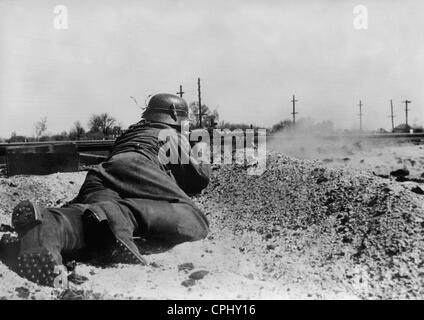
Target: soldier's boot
44	235
115	243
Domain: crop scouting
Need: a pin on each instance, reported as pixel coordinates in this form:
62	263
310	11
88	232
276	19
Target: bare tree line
103	126
100	126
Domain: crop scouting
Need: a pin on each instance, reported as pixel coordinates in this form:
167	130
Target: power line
181	92
406	110
294	109
392	115
200	102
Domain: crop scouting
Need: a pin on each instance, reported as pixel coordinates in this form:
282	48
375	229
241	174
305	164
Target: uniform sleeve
192	174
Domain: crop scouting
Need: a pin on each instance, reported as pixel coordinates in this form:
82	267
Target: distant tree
40	127
305	125
282	125
418	129
15	138
94	135
209	117
101	123
56	137
77	131
233	126
116	131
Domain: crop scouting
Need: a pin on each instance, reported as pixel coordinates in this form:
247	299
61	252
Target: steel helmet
166	108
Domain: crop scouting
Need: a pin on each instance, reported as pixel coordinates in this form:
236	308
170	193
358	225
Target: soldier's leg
154	220
171	222
108	224
110	228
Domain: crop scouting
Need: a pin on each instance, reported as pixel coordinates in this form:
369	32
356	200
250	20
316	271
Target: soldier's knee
193	230
201	232
191	224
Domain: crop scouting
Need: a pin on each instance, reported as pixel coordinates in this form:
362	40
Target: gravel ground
302	230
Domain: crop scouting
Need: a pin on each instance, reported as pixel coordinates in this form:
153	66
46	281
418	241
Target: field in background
380	155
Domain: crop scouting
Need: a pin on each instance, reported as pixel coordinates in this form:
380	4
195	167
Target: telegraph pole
406	110
200	102
181	92
294	109
360	115
392	115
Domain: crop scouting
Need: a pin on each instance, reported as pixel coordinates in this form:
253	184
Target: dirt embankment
300	230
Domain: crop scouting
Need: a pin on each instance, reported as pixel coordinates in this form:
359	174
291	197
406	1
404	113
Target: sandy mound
300	230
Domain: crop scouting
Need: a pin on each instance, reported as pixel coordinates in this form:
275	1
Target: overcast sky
251	56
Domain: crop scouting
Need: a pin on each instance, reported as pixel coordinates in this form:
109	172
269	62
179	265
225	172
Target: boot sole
25	216
122	254
40	266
